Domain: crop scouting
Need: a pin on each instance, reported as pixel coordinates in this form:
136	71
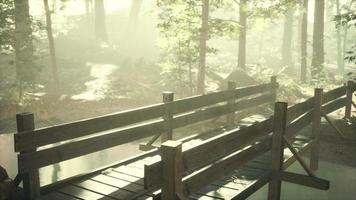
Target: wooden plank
211	149
316	126
212	112
334	94
334	105
253	187
168	97
308	181
58	133
280	122
125	177
130	171
191	103
104	189
108	180
231	117
348	100
31	180
77	148
299	109
56	196
83	193
297	125
222	167
172	170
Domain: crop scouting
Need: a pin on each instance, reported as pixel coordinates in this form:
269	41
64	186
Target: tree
318	40
52	50
242	35
100	21
287	39
340	62
24	50
134	15
202	46
304	42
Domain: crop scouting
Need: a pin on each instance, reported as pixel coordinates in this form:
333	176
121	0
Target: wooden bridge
232	164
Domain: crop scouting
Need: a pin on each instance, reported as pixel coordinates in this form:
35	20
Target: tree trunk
88	11
287	39
203	47
318	39
338	36
242	36
100	21
52	50
25	72
134	15
304	42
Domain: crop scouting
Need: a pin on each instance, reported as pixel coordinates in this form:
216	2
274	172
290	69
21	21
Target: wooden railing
46	146
186	171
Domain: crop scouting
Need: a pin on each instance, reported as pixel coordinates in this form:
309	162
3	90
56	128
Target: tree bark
25	72
287	39
100	21
52	49
338	36
304	42
88	11
242	36
134	15
203	47
318	39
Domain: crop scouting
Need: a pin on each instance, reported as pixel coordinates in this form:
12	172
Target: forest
68	60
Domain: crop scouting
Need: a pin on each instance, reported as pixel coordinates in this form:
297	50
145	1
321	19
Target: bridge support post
172	161
231	117
348	103
31	180
274	87
168	97
279	124
316	126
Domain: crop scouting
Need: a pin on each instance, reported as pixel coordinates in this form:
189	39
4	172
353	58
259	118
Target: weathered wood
297	125
74	149
224	166
299	109
168	97
244	194
308	181
211	150
171	153
273	89
316	126
279	130
334	105
331	123
299	159
31	180
212	112
230	118
334	94
58	133
348	101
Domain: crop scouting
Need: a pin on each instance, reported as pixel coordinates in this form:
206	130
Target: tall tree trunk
287	39
100	21
88	12
52	49
25	72
318	39
242	36
134	15
338	36
203	47
304	42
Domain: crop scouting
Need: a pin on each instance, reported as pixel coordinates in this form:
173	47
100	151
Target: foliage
7	26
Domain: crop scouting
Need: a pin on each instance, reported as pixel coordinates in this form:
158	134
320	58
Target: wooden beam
277	151
273	89
168	97
299	159
334	105
299	109
333	125
31	180
334	94
171	153
348	102
297	125
308	181
316	126
230	118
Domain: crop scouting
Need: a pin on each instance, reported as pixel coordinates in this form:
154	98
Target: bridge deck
126	181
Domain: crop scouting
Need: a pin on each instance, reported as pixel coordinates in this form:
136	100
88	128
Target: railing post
279	129
231	117
31	180
168	97
172	161
316	126
348	103
274	87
